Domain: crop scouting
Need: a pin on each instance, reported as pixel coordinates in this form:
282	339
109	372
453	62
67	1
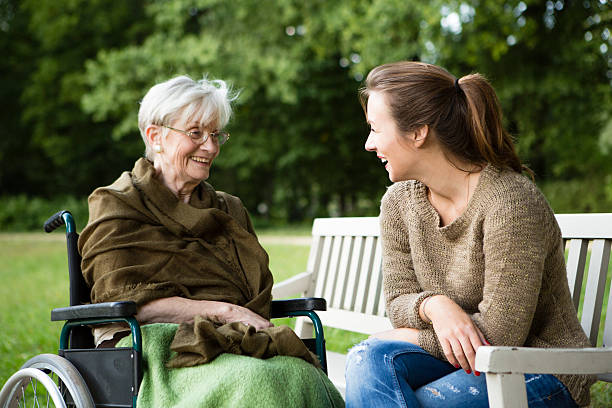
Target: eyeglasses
198	137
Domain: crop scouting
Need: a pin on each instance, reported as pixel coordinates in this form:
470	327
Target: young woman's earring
157	148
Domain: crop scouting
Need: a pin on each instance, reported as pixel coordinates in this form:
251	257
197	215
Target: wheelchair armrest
280	308
95	311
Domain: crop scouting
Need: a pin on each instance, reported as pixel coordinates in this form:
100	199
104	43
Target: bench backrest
345	262
589	236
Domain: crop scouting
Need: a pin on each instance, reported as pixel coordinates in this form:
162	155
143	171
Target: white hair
206	102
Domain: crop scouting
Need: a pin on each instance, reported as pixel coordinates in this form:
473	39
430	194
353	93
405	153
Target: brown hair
464	114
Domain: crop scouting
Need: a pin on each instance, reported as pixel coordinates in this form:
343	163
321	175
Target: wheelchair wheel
46	380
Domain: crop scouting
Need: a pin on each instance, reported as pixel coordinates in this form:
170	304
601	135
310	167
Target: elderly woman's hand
178	310
228	313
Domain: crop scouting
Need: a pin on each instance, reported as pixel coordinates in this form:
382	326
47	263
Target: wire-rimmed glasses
198	137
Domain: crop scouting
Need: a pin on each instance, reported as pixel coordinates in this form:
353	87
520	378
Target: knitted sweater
502	261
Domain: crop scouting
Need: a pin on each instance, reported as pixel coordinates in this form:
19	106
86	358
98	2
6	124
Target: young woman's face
387	141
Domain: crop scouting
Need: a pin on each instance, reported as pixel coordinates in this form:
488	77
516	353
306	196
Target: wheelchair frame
84	376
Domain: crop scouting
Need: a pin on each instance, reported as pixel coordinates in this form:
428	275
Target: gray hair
207	102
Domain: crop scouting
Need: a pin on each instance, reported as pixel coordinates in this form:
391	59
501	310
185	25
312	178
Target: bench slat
355	267
607	334
323	266
312	265
342	273
363	284
576	261
375	286
332	273
596	282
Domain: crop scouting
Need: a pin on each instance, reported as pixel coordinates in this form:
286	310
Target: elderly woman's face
184	161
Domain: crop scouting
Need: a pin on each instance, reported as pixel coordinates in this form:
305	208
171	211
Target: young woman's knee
374	354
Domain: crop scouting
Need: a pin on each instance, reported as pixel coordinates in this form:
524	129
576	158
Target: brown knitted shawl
142	244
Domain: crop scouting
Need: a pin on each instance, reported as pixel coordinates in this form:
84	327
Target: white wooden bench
344	267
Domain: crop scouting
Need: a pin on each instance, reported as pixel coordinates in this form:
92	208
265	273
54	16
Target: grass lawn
34	278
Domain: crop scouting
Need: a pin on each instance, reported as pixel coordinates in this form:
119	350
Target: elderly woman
188	256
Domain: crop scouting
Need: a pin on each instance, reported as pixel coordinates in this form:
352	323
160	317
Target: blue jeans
388	373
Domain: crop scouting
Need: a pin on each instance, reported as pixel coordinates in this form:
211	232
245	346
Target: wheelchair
81	375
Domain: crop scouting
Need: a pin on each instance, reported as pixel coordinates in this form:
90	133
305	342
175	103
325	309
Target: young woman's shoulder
506	194
507	188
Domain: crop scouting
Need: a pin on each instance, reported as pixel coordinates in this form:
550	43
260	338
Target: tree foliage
298	132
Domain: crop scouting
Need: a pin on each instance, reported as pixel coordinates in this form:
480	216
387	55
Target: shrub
588	195
23	213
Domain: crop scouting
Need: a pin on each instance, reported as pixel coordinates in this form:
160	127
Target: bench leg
506	390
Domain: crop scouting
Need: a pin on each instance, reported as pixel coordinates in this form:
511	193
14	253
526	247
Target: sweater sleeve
403	293
517	238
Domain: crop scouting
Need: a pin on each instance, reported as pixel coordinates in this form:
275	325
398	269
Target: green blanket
229	380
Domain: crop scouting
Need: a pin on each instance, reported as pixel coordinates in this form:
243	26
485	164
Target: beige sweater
502	261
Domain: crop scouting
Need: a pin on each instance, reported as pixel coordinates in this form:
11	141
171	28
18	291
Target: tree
298	132
50	42
298	124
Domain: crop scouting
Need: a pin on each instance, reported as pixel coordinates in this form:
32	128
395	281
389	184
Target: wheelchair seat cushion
229	380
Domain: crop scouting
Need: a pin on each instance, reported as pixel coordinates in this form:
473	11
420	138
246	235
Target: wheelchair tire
58	379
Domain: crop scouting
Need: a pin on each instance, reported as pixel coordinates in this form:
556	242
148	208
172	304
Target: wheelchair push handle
58	219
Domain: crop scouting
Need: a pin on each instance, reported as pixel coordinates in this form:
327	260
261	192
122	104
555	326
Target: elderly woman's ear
153	134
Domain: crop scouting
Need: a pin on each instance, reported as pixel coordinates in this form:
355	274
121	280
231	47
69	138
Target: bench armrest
515	360
292	286
108	310
280	308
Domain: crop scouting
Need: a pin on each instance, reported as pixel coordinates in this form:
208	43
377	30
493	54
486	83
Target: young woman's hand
457	333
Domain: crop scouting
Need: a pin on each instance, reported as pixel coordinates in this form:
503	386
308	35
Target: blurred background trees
74	71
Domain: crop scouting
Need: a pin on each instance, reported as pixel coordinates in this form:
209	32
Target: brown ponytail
464	114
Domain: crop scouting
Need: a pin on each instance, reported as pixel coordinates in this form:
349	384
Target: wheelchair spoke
36	396
23	396
35	402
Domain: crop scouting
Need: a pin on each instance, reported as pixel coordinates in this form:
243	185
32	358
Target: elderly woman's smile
201	159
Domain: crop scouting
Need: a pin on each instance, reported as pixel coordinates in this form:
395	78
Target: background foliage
74	71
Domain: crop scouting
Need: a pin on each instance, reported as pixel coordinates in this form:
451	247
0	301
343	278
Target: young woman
472	253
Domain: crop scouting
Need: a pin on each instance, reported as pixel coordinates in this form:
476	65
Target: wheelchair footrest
111	374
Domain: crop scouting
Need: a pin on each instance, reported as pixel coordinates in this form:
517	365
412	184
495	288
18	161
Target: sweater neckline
429	212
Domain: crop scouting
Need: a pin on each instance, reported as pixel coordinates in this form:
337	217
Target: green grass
34	279
33	273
